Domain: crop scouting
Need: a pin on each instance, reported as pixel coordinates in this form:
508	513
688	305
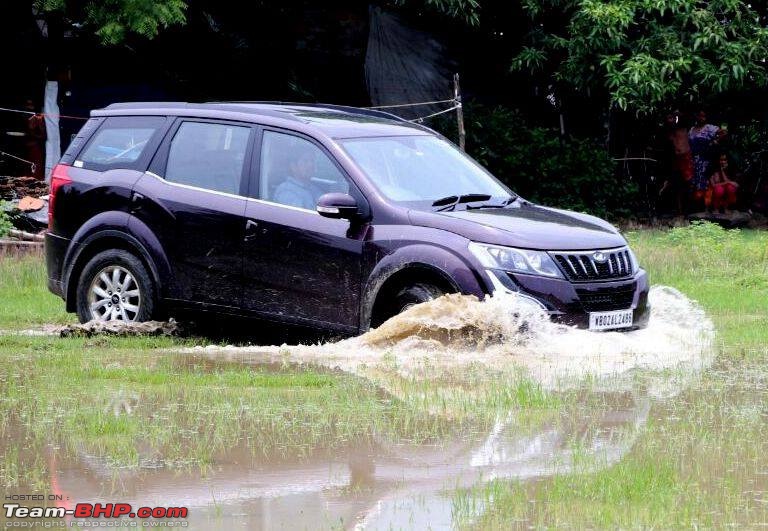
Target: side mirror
337	205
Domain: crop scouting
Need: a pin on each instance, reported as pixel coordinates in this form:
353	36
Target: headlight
633	258
517	260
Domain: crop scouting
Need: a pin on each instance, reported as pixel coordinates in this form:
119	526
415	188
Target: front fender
445	263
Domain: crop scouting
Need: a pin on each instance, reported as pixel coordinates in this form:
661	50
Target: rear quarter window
78	140
121	142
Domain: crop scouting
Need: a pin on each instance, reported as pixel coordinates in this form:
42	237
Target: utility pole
459	111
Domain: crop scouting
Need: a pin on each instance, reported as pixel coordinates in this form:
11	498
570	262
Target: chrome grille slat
573	265
568	261
594	266
581	263
583	267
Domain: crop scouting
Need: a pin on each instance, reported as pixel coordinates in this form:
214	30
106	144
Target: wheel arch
443	265
102	241
398	278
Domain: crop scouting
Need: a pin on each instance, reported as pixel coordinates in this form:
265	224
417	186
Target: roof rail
344	108
145	104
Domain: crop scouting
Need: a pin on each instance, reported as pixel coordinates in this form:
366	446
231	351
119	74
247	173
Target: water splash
505	333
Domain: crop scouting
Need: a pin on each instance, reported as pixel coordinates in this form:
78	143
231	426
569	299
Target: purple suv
332	217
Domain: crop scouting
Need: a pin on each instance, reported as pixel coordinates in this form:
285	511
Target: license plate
610	320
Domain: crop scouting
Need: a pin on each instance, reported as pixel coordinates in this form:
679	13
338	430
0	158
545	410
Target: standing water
453	359
405	485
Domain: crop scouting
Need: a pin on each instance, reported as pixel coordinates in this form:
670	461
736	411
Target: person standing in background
34	138
703	138
676	160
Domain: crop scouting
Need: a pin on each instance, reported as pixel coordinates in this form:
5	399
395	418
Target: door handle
250	229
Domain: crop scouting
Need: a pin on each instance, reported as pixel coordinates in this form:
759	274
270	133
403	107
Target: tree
113	20
642	54
467	10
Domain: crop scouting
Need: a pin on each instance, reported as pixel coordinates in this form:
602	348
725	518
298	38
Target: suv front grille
586	266
607	299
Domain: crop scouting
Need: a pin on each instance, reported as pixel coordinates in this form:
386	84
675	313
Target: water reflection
378	487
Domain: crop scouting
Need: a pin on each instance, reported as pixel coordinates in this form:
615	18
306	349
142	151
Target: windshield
418	170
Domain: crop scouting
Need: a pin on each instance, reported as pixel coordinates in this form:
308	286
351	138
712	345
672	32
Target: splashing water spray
504	333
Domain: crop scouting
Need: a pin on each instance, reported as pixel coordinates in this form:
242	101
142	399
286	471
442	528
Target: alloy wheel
114	295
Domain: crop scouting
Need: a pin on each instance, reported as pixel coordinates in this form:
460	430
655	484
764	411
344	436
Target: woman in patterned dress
703	138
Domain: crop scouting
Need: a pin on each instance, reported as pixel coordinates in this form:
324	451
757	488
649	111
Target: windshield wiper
503	204
449	202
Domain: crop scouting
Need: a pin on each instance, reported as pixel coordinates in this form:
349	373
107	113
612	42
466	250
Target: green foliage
702	235
645	53
5	219
747	148
461	9
113	20
535	162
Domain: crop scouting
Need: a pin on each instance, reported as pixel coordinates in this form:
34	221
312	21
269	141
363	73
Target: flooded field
458	413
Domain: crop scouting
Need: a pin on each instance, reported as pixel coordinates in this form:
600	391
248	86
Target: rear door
193	200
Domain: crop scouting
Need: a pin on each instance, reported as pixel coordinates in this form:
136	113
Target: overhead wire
412	104
32	113
32	165
422	118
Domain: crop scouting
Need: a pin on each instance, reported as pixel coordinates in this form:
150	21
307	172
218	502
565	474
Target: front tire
115	286
406	298
416	294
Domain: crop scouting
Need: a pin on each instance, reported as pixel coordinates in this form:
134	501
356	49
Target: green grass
110	396
725	271
132	399
26	301
702	458
699	460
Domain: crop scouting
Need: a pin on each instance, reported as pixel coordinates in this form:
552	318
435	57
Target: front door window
295	172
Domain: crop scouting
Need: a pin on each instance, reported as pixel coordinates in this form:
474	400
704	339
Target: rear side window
78	140
120	142
208	155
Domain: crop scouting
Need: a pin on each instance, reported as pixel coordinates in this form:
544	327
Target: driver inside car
297	189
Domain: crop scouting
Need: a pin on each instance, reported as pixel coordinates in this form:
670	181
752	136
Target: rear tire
115	286
407	297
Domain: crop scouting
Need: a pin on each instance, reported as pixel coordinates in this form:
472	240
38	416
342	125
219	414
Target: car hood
525	225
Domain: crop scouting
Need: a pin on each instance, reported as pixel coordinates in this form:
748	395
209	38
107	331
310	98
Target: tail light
59	177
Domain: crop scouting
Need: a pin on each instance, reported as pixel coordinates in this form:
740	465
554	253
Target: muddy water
504	334
392	484
406	486
382	486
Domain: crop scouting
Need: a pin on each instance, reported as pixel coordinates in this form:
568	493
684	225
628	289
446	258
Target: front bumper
571	302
